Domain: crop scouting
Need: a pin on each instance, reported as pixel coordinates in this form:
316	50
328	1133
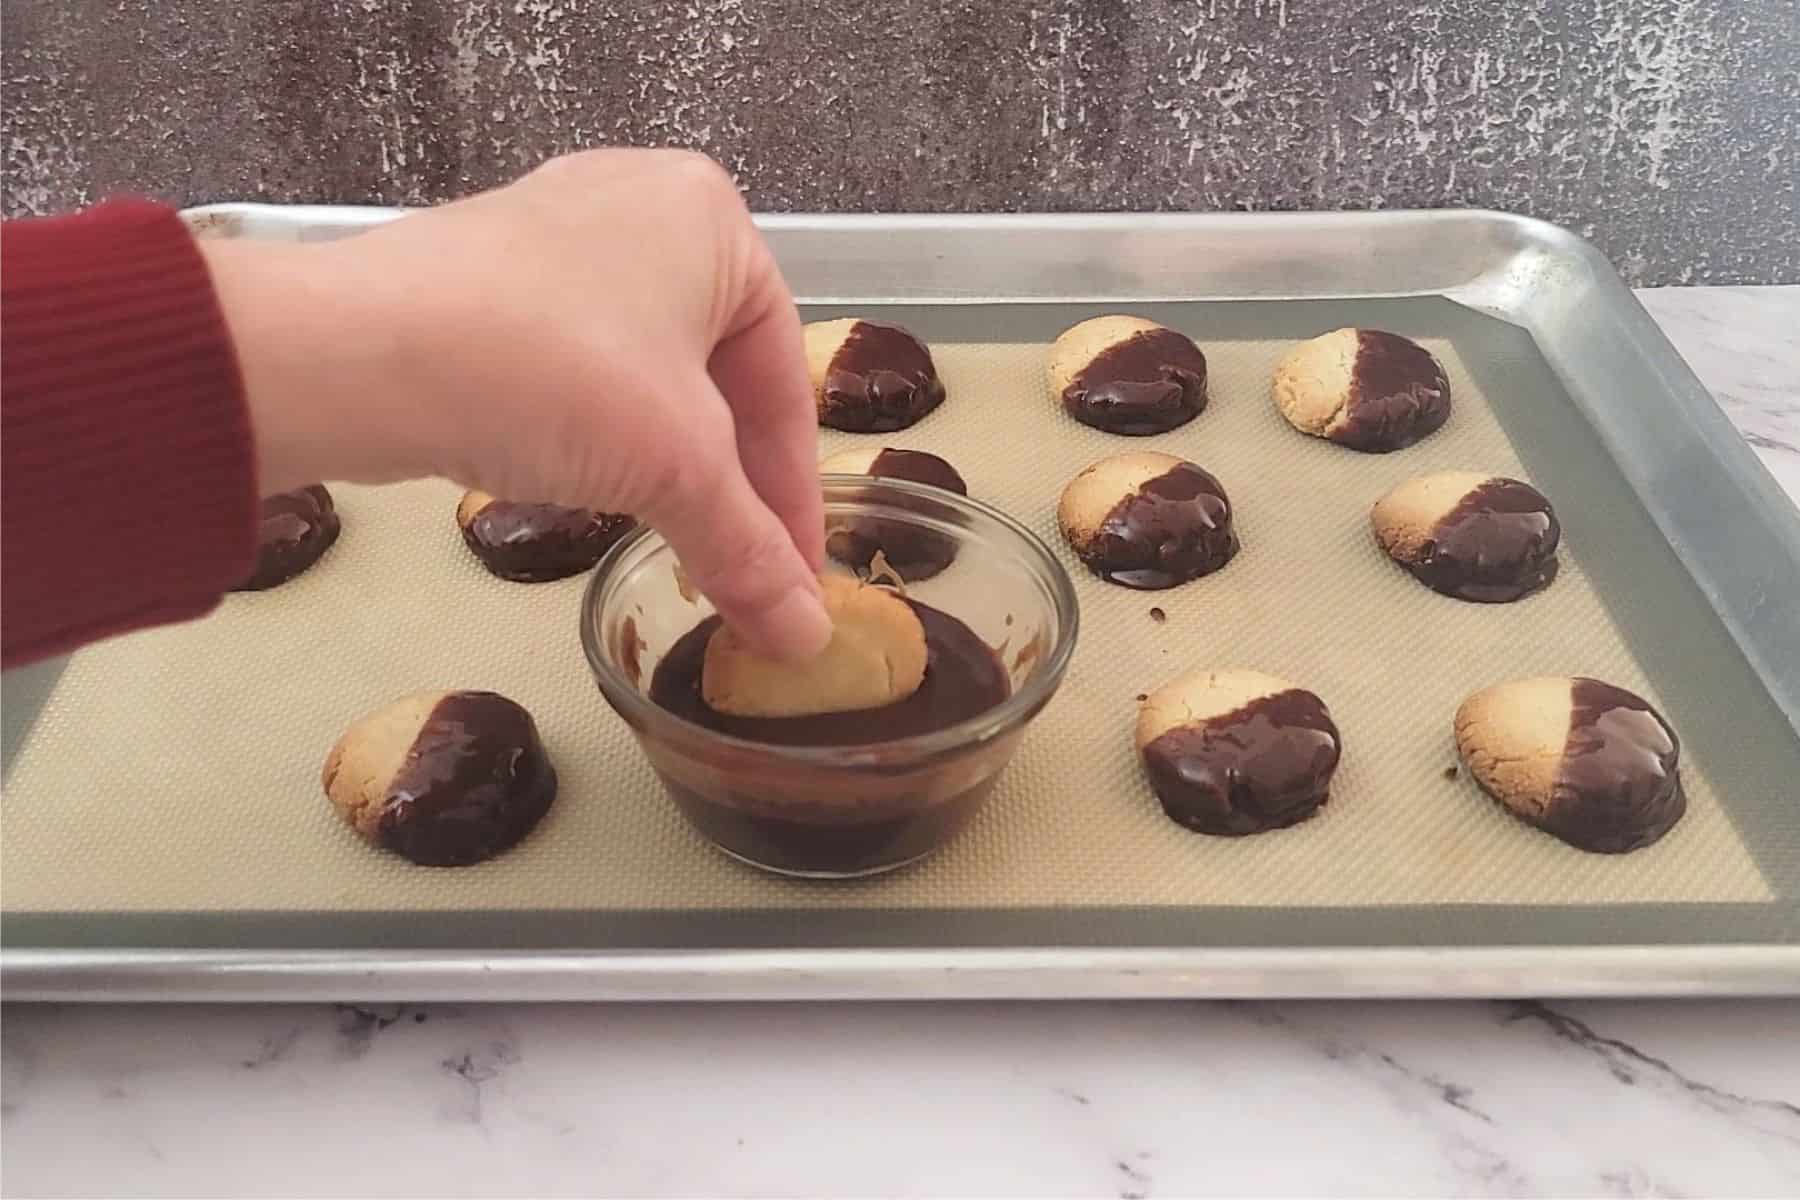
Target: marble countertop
1124	1100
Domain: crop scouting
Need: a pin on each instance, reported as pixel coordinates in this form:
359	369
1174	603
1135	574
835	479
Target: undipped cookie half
1476	537
1590	763
1148	520
869	377
1363	388
1127	375
1237	752
444	779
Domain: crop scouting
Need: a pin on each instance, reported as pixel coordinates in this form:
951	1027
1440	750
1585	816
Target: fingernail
796	626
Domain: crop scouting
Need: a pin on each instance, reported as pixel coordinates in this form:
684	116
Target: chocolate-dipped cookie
296	529
1127	375
535	543
1237	752
869	377
1469	535
444	779
1363	388
1587	762
1148	520
909	551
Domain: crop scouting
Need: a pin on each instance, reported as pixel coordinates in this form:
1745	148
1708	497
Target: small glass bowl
842	811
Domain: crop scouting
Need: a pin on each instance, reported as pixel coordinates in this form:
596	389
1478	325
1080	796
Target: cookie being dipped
443	779
1469	535
294	531
876	657
1236	752
1127	375
870	377
909	551
1587	762
536	543
1148	520
1363	388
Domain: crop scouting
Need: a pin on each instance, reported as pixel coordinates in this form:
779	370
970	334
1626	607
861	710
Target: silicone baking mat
177	771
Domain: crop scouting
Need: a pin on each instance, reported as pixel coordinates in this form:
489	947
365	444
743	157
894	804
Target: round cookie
1363	388
869	377
294	532
1476	537
1237	752
1587	762
535	543
910	552
1148	520
444	779
1127	375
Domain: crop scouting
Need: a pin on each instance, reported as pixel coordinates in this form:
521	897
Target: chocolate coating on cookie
1232	753
1363	388
870	377
442	779
294	532
535	543
1148	521
911	552
1588	762
1476	537
1128	375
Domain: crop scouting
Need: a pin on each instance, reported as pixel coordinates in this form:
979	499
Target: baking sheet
176	772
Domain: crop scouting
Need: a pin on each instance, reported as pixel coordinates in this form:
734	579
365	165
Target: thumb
737	552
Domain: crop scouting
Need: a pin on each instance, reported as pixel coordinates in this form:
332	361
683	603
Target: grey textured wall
1668	130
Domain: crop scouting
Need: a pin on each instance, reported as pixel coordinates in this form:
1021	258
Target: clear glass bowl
841	811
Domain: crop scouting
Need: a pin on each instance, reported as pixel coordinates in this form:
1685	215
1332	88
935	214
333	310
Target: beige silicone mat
178	770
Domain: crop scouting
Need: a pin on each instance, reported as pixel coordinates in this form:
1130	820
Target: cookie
1476	537
535	543
443	779
1363	388
1232	753
295	531
911	552
876	657
868	377
1148	520
1127	375
1587	762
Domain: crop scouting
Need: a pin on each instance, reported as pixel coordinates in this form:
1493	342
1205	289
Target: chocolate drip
1618	787
912	552
1174	528
296	529
1148	383
880	380
535	543
1497	544
475	781
1398	394
1266	766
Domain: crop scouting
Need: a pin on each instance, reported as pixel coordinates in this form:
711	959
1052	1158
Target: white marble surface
1154	1099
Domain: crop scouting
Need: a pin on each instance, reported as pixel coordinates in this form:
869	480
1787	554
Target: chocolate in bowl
842	794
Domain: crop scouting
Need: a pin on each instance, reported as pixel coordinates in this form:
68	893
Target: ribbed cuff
128	495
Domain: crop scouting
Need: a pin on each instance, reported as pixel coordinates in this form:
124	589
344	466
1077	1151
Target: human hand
609	332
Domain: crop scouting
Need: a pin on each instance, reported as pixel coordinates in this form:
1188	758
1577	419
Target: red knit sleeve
127	470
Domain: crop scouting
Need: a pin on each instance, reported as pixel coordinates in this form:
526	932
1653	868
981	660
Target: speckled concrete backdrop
1665	129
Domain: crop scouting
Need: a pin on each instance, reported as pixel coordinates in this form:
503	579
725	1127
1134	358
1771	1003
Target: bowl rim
640	711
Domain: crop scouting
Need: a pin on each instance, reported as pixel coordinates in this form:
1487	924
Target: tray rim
1590	329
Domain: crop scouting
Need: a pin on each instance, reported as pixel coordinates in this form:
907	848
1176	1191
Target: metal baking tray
1703	587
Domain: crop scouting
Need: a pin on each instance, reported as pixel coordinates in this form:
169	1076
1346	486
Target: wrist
323	365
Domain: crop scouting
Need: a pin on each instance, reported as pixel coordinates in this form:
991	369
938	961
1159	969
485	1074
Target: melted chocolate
963	678
912	552
475	781
1618	787
535	543
1148	383
1266	766
1497	544
295	531
1174	528
1398	394
880	380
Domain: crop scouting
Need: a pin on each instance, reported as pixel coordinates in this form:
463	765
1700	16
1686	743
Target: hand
609	332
